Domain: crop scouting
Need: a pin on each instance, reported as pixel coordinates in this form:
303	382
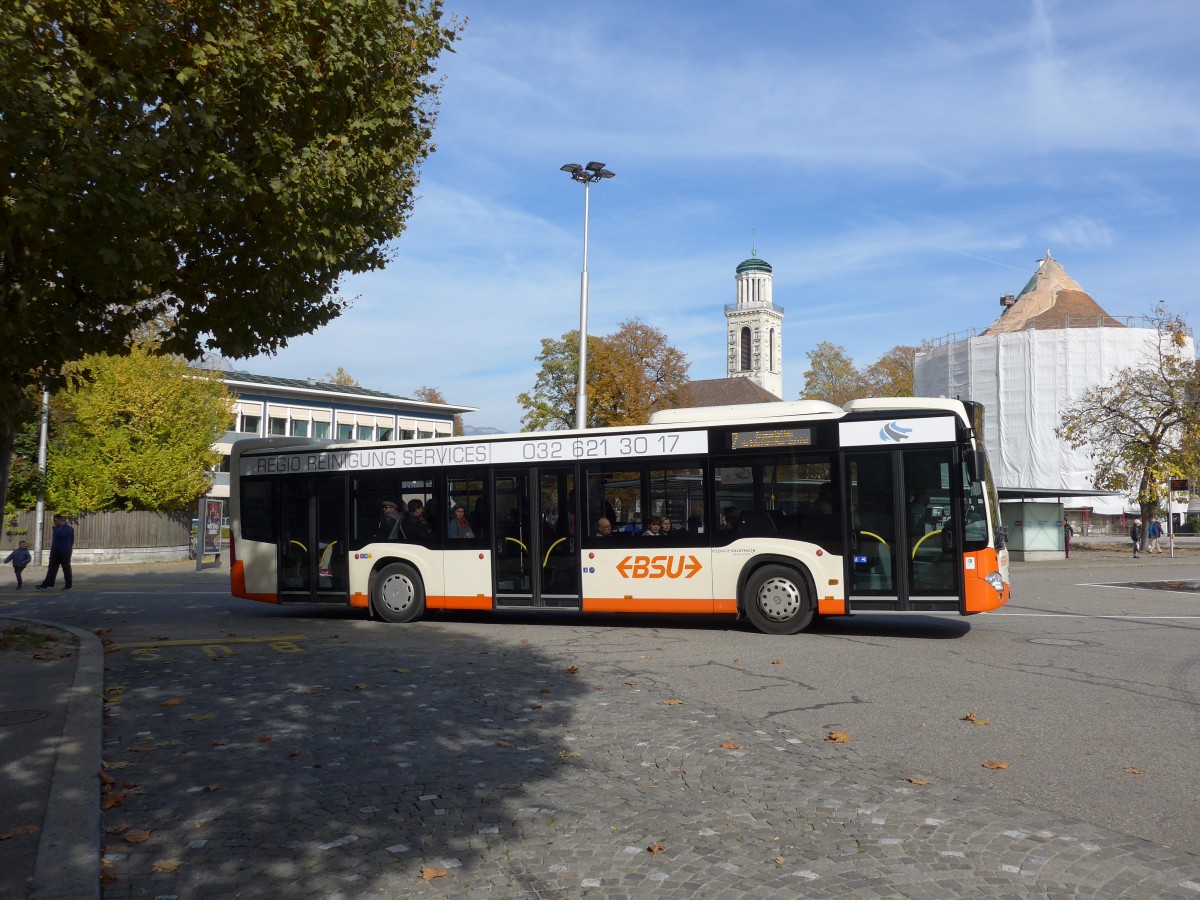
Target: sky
900	165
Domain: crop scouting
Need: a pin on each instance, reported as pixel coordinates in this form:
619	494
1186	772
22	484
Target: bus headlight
994	579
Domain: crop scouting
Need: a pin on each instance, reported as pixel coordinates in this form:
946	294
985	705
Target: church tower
755	328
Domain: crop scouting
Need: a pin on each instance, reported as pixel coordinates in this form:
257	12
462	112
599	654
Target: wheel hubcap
397	593
779	599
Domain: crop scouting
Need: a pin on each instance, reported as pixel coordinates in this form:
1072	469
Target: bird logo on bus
659	566
893	431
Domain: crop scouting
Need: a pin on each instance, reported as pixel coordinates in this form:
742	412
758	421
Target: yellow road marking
210	641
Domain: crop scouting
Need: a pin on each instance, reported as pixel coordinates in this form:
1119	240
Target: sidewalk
50	732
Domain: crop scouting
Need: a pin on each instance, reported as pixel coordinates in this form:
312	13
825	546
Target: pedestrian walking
62	543
1154	532
1068	533
20	559
1135	535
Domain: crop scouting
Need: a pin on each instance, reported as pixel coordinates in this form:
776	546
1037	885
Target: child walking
20	559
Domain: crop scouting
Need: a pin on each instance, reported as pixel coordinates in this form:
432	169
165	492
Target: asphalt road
1091	691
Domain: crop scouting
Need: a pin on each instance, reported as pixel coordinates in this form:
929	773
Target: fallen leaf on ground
202	717
655	849
571	670
736	662
107	779
673	702
730	745
20	829
975	720
837	737
777	662
143	748
544	691
292	753
431	872
1133	771
505	744
360	686
112	801
264	738
569	754
118	829
631	683
218	742
120	764
535	706
598	687
915	780
524	640
993	764
401	671
212	788
136	836
49	656
108	878
166	865
174	702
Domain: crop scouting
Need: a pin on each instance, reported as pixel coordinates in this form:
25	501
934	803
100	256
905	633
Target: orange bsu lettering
659	566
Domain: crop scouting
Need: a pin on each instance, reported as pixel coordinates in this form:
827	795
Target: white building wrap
1026	380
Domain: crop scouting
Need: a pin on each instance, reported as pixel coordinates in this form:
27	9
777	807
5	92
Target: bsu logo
659	566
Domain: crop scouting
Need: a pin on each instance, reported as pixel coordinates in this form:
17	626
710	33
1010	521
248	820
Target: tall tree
433	395
631	372
634	371
892	374
137	433
831	375
1143	426
216	165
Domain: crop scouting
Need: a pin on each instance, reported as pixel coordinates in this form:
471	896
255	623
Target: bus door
536	548
312	562
905	536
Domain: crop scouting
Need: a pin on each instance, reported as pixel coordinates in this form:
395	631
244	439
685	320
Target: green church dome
753	264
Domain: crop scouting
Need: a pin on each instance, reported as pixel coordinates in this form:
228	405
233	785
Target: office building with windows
266	406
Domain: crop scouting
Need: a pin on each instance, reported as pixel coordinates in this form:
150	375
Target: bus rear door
536	549
312	562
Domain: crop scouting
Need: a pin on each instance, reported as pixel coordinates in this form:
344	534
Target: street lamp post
585	175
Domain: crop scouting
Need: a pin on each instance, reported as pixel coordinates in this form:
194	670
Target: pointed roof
1051	299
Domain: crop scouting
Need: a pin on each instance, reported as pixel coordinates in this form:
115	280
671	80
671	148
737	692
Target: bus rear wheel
778	601
398	595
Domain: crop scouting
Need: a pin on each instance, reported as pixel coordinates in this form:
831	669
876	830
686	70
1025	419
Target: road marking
1139	587
1088	616
206	642
166	588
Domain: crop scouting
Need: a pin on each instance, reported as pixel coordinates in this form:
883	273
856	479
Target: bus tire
397	594
777	601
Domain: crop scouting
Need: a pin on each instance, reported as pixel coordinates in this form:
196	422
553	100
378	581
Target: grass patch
20	638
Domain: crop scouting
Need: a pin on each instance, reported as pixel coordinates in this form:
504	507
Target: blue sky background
903	165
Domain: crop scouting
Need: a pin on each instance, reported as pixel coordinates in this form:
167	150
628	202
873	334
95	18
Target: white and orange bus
775	512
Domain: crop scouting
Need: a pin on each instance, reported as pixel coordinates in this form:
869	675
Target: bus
776	513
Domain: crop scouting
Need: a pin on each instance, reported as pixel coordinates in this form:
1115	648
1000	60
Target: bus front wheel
777	601
398	595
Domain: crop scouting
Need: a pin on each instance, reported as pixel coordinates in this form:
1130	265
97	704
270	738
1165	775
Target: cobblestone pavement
346	765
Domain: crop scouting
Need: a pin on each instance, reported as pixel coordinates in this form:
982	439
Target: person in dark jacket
19	558
62	544
1135	535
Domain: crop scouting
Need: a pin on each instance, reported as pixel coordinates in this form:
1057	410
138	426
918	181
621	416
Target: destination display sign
542	450
770	438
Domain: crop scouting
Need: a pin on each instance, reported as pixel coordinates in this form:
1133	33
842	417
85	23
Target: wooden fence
107	530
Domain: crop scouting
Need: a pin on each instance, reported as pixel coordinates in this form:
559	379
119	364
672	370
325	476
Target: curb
68	858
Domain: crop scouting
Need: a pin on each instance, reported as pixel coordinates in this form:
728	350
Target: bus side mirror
975	465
